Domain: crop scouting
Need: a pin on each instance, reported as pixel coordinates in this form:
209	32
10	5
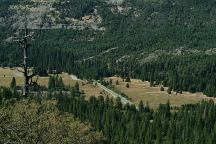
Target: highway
114	94
111	92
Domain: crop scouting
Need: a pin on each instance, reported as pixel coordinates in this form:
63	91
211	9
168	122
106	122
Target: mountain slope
164	41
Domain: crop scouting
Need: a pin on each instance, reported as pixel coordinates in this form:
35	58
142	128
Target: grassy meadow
6	75
139	90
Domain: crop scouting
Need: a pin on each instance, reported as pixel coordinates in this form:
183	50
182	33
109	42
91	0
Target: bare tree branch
20	70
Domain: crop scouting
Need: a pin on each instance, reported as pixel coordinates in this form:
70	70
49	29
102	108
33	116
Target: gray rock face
42	15
115	2
32	16
210	51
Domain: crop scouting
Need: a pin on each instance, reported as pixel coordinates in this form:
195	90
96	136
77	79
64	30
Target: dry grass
6	75
142	91
138	90
89	89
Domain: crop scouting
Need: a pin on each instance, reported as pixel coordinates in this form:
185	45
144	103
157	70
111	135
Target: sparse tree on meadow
13	83
110	81
141	106
127	85
117	82
127	79
61	83
162	88
169	90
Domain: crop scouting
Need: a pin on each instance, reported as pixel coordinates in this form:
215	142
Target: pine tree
127	79
210	91
7	93
61	83
51	83
110	82
13	83
77	86
162	88
118	103
151	83
16	94
1	97
141	106
76	89
117	82
127	85
147	108
169	90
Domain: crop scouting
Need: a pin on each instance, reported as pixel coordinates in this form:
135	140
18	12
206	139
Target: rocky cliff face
42	14
115	2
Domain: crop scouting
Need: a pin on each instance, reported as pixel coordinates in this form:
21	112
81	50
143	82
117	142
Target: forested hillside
125	125
38	120
164	41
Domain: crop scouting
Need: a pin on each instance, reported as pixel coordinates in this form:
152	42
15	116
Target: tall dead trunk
28	79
